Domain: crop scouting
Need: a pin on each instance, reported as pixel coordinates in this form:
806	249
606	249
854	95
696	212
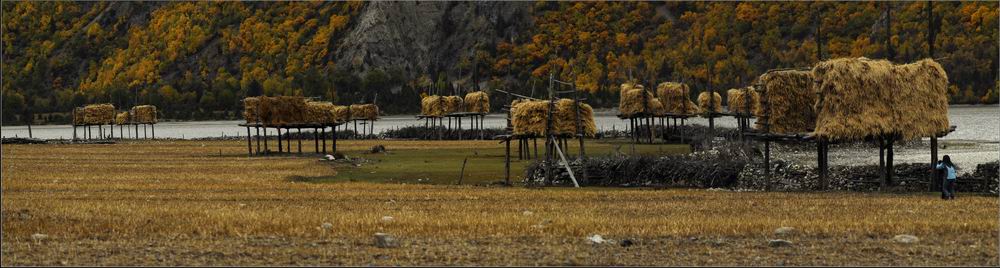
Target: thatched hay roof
740	103
790	102
676	98
705	105
477	102
862	98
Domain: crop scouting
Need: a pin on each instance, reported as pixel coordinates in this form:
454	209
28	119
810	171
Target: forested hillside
196	60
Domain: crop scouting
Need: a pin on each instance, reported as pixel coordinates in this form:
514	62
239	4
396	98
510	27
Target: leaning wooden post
548	132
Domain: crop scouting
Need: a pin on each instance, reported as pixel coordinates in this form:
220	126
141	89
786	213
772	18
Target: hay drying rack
885	143
319	134
122	132
556	145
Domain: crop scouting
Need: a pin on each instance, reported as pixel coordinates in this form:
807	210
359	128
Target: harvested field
205	203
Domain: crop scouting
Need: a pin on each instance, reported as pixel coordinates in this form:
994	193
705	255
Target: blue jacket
950	169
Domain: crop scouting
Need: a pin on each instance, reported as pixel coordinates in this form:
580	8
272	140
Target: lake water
980	123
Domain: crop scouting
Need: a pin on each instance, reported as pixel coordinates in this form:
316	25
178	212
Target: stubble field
206	203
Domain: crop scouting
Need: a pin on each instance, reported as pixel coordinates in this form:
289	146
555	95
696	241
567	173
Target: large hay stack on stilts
713	103
99	114
251	109
477	102
863	98
78	116
121	118
529	118
631	102
144	114
432	106
790	101
675	98
364	112
341	113
274	111
320	113
742	100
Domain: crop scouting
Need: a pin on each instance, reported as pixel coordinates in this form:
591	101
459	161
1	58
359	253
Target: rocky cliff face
427	37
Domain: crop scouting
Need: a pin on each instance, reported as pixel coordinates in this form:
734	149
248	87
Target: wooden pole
288	140
280	148
249	143
299	140
881	162
316	140
323	132
265	141
934	182
257	137
152	129
461	174
335	140
506	165
890	171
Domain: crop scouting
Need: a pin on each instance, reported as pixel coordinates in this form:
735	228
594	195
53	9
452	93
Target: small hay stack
144	114
320	113
341	113
121	118
250	109
529	117
364	112
452	104
99	114
78	116
675	98
863	98
790	101
282	110
432	106
631	102
477	102
738	101
705	105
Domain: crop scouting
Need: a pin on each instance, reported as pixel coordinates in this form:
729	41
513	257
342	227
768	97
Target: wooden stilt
266	152
249	143
935	184
257	137
506	162
316	140
299	139
280	148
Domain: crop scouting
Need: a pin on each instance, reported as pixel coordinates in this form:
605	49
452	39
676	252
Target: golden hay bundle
320	113
281	110
432	106
341	113
121	118
790	102
477	102
144	114
675	98
529	118
452	104
364	111
739	103
250	109
631	102
78	116
656	107
99	114
862	98
705	104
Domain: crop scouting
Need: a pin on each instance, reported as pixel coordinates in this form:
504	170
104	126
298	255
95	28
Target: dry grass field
206	203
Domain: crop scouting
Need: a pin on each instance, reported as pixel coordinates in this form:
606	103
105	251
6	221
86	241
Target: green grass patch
443	166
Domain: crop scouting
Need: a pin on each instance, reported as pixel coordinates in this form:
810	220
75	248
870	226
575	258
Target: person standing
948	187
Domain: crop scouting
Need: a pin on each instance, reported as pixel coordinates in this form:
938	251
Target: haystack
251	107
790	102
341	113
675	98
364	112
710	104
121	118
529	118
863	98
452	104
320	113
78	116
631	102
739	102
283	110
477	102
99	114
432	106
144	114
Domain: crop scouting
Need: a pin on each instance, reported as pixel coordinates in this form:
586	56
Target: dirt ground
206	203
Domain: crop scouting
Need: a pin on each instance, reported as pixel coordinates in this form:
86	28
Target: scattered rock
906	239
39	237
784	231
596	239
377	149
626	243
327	226
527	213
387	218
383	240
774	243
